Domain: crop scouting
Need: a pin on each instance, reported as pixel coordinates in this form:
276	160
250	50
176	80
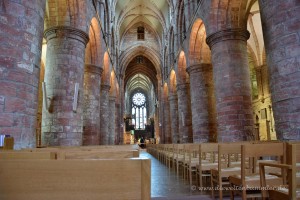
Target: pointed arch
199	51
106	69
181	71
93	48
173	83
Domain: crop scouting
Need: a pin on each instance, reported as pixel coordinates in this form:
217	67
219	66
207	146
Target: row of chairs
242	168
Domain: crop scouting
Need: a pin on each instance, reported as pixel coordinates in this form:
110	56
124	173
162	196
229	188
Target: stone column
184	113
61	125
174	118
199	82
280	23
166	122
117	124
104	115
20	59
157	118
121	112
112	119
232	84
91	109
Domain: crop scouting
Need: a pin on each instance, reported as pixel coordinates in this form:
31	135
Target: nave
166	185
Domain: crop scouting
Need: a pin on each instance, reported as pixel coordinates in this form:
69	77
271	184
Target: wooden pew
97	154
75	179
86	148
17	155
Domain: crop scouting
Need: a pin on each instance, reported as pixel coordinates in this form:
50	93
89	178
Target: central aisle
165	184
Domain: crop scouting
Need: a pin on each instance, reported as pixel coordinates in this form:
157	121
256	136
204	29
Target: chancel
149	99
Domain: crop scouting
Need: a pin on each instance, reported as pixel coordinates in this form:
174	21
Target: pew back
75	179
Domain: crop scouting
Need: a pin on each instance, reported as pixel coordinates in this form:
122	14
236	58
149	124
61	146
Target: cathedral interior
110	72
77	72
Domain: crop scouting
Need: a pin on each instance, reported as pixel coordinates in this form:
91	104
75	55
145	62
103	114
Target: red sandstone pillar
184	114
21	33
61	125
174	118
91	108
167	122
104	115
200	82
121	112
117	124
112	119
232	84
280	23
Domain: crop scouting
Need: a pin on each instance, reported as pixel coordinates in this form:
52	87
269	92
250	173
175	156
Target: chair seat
254	180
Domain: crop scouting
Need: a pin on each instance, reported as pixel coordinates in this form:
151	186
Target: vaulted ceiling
155	13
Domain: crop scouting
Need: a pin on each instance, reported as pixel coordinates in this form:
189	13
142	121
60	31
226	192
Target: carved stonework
66	32
94	69
228	34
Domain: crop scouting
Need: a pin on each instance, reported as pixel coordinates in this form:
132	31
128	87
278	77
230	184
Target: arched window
140	33
139	111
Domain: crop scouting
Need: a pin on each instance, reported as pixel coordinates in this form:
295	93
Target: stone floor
166	185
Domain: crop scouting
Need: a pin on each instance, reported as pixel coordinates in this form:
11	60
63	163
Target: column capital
173	97
182	86
66	32
94	69
105	87
198	68
227	34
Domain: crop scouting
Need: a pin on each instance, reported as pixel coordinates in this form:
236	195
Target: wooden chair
227	166
207	160
169	154
191	161
179	156
289	189
247	182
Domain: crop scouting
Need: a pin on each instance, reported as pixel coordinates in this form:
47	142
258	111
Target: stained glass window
139	111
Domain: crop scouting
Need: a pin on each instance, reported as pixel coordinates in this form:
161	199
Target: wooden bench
75	179
85	148
97	154
17	155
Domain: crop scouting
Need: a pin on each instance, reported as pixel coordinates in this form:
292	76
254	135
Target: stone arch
173	83
66	13
106	70
145	51
228	14
199	51
165	91
93	48
113	84
182	76
181	24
